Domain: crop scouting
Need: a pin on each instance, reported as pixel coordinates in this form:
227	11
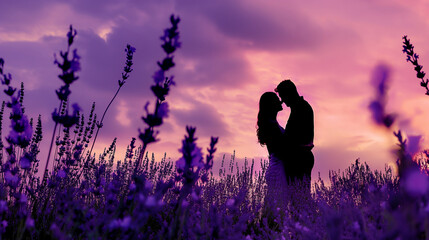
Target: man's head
287	92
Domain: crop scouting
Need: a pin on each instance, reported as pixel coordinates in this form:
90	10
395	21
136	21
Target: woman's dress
275	176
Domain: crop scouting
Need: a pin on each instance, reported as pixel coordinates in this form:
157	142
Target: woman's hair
266	109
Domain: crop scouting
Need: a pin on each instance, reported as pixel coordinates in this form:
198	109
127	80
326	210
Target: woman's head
269	106
270	103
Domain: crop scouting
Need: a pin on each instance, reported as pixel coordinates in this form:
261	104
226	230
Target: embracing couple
289	148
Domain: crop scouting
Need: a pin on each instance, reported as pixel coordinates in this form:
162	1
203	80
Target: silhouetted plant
160	89
412	57
125	75
69	69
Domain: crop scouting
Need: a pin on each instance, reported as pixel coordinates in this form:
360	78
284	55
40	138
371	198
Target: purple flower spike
148	136
66	120
25	162
161	87
75	64
3	207
416	183
191	168
158	77
21	130
3	225
163	110
71	35
125	75
12	179
413	57
69	67
209	158
128	63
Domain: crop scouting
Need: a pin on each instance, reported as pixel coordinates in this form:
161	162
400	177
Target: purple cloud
206	118
255	26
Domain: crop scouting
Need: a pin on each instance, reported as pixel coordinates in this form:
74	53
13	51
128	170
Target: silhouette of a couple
289	148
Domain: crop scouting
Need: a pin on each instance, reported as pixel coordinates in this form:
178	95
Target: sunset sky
232	52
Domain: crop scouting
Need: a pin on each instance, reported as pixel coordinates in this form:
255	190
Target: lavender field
88	195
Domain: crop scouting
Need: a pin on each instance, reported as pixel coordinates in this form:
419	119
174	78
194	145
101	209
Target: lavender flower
192	155
29	223
377	106
3	206
416	183
230	202
65	119
154	120
3	225
61	173
25	161
22	132
68	67
159	77
405	162
128	63
162	110
190	165
19	136
12	178
412	57
151	202
121	223
211	151
125	75
161	88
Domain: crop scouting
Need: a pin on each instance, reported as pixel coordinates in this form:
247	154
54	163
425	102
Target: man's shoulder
305	104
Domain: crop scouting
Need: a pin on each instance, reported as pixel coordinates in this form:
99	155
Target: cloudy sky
232	52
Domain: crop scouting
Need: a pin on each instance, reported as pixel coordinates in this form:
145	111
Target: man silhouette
299	134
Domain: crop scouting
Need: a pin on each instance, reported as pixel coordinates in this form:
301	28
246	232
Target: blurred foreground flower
380	82
416	183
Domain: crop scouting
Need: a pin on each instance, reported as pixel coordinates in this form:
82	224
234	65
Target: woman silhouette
270	133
